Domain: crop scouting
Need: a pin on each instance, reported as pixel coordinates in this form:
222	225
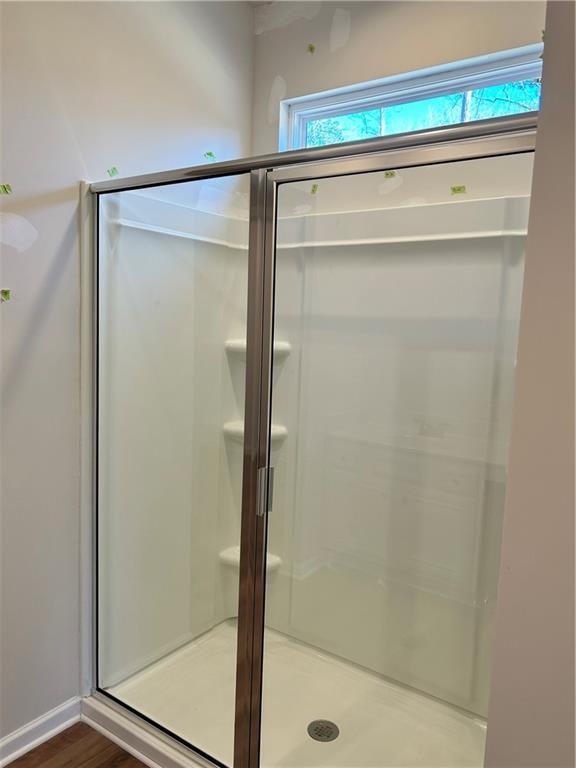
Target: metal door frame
486	138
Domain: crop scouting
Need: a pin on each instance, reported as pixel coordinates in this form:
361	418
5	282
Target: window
491	86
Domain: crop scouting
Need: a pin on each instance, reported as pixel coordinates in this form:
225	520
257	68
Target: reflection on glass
172	283
400	303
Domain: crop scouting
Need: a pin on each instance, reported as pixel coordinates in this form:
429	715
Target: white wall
85	86
532	705
360	41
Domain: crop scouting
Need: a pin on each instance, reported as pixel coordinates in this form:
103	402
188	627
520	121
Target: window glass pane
449	109
425	113
505	99
351	127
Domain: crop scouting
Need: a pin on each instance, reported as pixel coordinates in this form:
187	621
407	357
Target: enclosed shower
305	380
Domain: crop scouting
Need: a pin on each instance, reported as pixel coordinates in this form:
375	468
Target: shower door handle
265	483
270	488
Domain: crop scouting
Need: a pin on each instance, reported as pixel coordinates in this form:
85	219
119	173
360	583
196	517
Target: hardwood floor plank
122	760
76	754
78	747
45	751
104	757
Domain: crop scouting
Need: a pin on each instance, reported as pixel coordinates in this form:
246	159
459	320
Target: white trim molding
127	731
39	730
137	737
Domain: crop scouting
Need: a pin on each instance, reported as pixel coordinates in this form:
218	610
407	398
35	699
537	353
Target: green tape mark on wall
4	294
311	48
5	189
210	156
458	189
389	174
314	189
112	171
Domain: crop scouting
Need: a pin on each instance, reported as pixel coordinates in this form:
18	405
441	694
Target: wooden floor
77	747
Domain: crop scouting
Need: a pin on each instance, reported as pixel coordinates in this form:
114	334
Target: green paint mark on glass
311	48
5	189
458	189
4	294
210	156
314	189
389	174
113	171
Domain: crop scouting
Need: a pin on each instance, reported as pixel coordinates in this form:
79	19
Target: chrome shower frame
481	139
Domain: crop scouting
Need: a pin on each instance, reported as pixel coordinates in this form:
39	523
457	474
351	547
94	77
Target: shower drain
323	730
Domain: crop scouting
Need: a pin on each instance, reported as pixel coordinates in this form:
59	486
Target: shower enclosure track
473	130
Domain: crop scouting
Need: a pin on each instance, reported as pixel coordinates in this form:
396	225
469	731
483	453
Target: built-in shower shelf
238	346
235	431
231	557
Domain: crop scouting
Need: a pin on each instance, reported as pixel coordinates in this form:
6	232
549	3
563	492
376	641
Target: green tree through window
450	109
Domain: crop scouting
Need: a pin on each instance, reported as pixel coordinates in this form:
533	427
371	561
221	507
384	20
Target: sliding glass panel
173	266
397	302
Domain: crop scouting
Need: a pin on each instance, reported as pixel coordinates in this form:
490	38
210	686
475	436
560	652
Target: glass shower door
397	303
172	313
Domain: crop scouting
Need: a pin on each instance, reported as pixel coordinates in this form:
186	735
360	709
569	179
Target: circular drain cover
323	730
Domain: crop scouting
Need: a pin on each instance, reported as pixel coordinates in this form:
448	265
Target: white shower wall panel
170	485
389	489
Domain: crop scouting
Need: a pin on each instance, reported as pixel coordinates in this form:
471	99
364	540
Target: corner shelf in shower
231	557
235	431
238	346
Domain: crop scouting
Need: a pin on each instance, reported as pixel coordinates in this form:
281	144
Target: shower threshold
381	725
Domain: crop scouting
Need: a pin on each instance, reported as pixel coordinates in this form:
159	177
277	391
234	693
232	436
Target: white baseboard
37	731
136	737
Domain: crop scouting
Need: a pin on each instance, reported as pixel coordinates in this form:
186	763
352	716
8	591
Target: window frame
523	63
